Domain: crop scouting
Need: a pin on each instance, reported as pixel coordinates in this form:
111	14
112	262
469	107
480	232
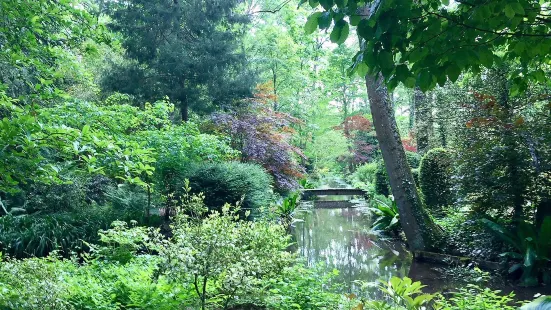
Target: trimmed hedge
414	159
228	182
435	175
382	185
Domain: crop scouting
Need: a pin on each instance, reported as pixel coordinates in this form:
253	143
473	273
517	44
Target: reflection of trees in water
337	237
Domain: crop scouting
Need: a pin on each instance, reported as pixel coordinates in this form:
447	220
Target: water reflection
339	238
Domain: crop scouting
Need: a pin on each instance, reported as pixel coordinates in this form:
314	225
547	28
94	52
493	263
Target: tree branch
278	8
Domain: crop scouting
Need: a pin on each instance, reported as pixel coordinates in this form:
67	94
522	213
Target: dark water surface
339	239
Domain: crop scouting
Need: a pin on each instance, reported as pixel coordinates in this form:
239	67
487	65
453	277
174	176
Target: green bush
414	159
532	248
435	175
229	182
366	172
301	287
214	261
475	297
38	235
415	173
382	185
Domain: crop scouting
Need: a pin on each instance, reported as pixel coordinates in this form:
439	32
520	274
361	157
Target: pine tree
186	50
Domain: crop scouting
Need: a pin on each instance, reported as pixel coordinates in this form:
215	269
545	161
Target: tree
420	230
38	39
425	43
186	50
264	136
428	42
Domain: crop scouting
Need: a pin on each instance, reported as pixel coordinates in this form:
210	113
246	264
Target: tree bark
421	232
184	110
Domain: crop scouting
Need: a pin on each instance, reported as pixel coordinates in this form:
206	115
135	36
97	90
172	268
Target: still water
339	239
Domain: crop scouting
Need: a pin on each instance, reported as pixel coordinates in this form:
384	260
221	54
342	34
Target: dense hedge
414	159
435	180
228	182
65	217
415	173
382	185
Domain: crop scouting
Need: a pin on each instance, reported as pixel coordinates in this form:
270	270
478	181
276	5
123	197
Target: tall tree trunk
423	121
184	111
3	210
412	112
421	232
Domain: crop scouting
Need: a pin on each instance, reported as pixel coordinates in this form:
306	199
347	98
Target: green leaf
326	4
402	72
85	129
441	78
516	86
502	233
446	2
517	8
410	82
385	59
340	32
364	30
453	72
312	23
355	20
515	267
509	11
486	58
519	47
539	75
425	80
362	69
313	3
341	3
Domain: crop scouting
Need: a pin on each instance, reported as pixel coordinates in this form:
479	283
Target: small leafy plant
475	297
306	184
387	215
402	294
532	246
287	207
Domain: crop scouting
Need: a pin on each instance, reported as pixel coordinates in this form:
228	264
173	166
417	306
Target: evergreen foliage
189	52
435	178
229	182
382	186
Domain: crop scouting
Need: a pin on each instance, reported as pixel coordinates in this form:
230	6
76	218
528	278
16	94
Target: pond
339	239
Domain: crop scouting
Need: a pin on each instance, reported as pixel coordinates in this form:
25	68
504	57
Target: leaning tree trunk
421	232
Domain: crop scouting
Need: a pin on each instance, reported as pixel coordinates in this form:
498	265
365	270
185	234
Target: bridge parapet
309	193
